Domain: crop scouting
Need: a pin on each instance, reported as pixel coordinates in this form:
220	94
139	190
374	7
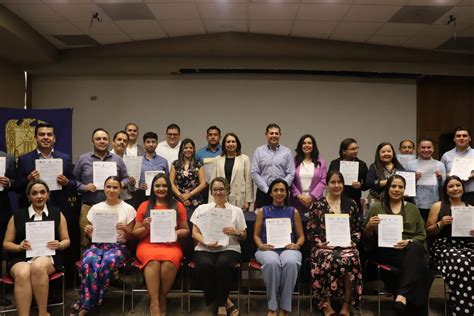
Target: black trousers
214	271
262	199
415	279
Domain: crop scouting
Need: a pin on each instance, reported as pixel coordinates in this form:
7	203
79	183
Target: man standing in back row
169	149
271	161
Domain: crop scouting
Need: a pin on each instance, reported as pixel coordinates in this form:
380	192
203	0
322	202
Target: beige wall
330	108
12	85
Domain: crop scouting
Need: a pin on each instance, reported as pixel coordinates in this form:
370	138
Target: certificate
49	170
39	234
462	167
410	179
338	232
390	230
278	232
163	226
105	230
149	175
427	168
101	171
212	226
3	162
350	171
463	221
134	166
405	158
209	168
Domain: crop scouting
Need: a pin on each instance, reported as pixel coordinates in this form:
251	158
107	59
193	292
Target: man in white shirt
169	149
462	140
133	148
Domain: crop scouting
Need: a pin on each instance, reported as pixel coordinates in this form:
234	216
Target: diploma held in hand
463	221
278	232
350	171
462	167
134	166
405	159
163	226
104	224
209	168
39	233
101	171
3	162
49	170
390	230
338	232
427	168
212	226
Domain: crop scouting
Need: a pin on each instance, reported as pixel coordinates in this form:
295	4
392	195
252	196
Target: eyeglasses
172	135
215	190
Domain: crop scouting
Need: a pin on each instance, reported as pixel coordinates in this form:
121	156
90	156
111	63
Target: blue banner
17	129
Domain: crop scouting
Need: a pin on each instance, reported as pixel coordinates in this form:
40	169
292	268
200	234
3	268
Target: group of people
220	177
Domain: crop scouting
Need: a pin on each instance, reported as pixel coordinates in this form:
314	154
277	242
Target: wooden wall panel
443	103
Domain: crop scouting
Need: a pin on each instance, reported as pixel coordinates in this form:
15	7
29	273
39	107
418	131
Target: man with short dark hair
427	167
271	161
45	139
169	148
213	147
462	149
151	161
406	147
84	173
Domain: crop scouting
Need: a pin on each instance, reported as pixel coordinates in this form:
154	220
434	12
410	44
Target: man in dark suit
7	180
45	140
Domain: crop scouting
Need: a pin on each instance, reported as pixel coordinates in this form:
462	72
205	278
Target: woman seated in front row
99	260
31	274
452	256
335	270
408	255
159	261
215	264
280	266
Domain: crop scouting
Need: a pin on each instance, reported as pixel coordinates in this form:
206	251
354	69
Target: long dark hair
299	151
287	189
386	196
379	167
237	141
170	201
193	161
444	193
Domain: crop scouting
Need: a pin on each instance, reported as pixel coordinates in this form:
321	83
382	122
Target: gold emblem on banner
20	135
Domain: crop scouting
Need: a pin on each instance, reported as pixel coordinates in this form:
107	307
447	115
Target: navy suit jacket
5	208
26	164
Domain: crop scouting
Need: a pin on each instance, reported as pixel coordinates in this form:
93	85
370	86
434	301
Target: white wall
331	109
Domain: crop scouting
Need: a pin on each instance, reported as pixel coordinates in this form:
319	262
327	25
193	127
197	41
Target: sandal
232	310
76	308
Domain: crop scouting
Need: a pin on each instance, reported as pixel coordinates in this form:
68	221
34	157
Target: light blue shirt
268	165
426	195
154	164
448	159
206	152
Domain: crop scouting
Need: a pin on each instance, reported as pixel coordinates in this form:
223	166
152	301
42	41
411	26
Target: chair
381	267
8	280
238	291
135	268
122	290
254	265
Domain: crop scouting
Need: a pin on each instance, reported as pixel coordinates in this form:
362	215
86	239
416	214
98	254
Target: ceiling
420	24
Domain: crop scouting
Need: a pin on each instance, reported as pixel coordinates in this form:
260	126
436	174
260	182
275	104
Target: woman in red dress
160	261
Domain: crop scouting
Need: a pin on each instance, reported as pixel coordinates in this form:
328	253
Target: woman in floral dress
335	271
187	177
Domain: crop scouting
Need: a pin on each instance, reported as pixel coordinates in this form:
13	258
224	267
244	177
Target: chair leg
133	288
379	290
189	289
123	298
445	299
63	293
249	289
182	286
